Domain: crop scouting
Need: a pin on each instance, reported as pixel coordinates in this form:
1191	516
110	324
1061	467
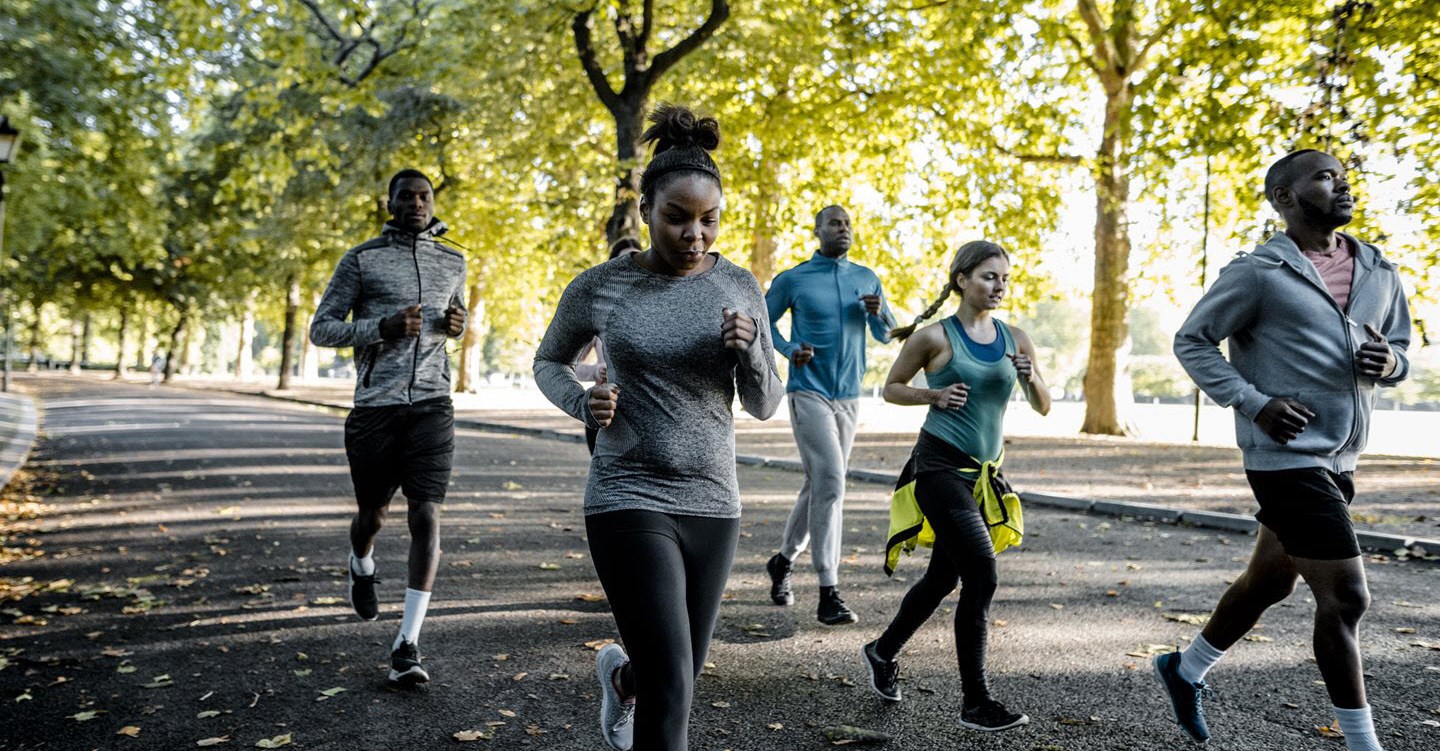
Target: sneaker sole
785	601
410	677
871	670
1024	720
600	675
840	621
1170	702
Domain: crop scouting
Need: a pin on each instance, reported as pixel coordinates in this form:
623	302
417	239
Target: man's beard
1314	213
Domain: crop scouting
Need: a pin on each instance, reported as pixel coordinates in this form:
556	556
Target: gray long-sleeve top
671	445
378	279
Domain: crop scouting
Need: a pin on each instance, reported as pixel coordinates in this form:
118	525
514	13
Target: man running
1316	320
831	300
406	293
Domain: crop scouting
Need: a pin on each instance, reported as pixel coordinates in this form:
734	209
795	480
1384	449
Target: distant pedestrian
831	301
157	368
404	293
1316	321
972	362
684	331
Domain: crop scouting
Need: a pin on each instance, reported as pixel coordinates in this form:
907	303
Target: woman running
684	330
972	361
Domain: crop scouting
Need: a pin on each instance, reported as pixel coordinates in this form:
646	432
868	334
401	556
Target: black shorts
405	447
1309	510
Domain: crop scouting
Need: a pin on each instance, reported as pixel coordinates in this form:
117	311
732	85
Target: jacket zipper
367	365
420	298
1351	324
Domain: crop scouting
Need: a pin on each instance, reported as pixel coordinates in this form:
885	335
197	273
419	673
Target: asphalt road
189	585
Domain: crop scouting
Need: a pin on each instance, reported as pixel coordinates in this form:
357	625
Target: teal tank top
976	428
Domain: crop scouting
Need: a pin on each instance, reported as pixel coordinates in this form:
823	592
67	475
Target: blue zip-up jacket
377	279
823	297
1288	338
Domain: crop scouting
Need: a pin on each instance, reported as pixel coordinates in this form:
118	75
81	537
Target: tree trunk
77	345
186	360
624	223
1110	297
35	325
120	341
244	357
762	238
470	350
177	337
142	344
287	339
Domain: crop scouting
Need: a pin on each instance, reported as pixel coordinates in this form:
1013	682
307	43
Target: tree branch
719	11
1086	54
1104	54
1150	41
585	48
647	22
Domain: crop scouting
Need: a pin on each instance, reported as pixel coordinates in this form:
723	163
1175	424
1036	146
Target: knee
1348	602
370	519
424	519
980	580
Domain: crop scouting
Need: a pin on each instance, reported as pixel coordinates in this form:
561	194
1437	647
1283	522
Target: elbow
890	394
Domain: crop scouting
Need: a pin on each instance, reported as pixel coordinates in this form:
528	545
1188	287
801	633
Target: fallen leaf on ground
1194	619
590	597
1331	731
1257	637
598	644
775	726
86	716
213	741
470	736
276	742
129	730
207	714
519	676
844	735
507	713
549	567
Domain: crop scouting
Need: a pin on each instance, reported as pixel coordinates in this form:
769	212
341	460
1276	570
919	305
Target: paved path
1398	495
201	537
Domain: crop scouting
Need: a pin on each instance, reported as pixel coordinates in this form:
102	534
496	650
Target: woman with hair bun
972	362
684	330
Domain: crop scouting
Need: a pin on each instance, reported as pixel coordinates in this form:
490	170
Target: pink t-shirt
1336	269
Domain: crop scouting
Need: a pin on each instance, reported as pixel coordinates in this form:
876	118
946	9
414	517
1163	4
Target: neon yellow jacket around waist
999	506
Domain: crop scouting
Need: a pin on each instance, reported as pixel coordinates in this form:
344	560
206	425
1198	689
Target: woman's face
984	287
683	221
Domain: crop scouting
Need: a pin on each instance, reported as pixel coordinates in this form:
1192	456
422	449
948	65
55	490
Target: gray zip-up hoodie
1288	338
376	280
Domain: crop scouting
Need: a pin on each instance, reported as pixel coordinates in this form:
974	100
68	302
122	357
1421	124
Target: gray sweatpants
824	431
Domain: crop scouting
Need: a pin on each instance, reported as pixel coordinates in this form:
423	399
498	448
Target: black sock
827	592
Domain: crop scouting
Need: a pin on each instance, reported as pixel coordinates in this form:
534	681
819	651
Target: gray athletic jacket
374	281
1288	338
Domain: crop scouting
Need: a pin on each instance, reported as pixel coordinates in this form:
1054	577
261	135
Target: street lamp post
9	142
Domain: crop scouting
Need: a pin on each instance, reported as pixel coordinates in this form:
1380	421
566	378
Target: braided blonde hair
969	256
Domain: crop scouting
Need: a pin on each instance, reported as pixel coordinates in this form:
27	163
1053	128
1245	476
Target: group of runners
1315	320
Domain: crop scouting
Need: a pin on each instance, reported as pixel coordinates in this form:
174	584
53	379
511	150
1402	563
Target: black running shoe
884	674
779	569
1185	697
405	666
832	610
362	595
989	716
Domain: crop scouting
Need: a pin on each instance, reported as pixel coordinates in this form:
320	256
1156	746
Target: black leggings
963	554
664	575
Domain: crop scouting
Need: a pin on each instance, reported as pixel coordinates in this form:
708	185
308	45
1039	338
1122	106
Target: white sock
363	566
415	604
1198	658
1359	728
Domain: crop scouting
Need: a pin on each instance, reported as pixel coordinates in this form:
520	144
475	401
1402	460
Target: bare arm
922	347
